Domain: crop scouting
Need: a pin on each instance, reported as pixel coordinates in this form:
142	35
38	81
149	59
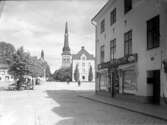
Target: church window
83	58
83	64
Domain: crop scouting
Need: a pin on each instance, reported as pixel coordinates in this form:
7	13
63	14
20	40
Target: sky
40	25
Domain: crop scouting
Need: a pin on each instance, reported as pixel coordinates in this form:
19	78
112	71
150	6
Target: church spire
66	48
66	28
42	54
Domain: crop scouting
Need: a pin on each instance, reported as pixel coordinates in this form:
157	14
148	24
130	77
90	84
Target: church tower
66	54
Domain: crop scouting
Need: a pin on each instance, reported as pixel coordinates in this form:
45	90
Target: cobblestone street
59	104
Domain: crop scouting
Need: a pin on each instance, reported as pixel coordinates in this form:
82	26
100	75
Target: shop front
103	78
129	78
119	75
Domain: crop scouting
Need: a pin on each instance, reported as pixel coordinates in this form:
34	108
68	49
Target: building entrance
153	78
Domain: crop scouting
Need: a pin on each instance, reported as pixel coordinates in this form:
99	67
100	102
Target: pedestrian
79	83
68	81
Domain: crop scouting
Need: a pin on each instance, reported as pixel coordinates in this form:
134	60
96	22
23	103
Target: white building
84	60
131	44
4	76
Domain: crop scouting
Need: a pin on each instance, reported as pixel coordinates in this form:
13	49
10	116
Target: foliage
90	76
76	74
18	66
6	52
63	74
23	63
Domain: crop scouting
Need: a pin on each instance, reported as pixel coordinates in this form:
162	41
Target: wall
87	66
134	20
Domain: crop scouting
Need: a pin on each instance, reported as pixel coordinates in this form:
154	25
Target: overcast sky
40	24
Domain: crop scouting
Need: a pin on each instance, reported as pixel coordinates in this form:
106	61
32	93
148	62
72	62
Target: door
156	86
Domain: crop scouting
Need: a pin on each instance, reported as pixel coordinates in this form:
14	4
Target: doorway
153	78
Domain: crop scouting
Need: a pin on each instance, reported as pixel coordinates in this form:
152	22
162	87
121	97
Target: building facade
131	43
84	61
4	76
66	54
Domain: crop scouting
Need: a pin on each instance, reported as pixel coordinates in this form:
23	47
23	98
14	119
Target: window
153	33
127	5
83	58
102	54
112	48
83	70
68	60
83	64
113	17
128	43
102	26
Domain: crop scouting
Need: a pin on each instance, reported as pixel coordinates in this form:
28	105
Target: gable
82	53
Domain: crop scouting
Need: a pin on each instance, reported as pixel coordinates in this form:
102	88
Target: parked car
12	86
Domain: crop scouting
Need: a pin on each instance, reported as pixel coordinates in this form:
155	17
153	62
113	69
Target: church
83	60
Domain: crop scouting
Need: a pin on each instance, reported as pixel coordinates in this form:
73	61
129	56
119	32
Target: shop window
128	43
153	33
129	82
104	82
112	48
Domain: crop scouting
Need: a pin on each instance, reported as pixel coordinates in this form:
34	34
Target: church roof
81	52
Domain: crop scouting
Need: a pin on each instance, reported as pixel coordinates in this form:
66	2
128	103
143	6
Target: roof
103	9
81	52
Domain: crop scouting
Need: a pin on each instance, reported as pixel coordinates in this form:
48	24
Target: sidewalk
156	111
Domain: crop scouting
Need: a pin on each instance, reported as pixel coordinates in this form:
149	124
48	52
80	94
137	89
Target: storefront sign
121	61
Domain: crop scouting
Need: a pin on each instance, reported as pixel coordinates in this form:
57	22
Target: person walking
79	82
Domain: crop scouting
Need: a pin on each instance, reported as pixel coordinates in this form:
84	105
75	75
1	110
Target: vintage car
12	86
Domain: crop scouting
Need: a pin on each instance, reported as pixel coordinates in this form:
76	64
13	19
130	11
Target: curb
125	108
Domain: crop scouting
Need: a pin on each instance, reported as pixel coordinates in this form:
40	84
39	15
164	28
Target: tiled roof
81	52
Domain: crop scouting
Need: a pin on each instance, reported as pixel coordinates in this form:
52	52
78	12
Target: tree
76	73
90	77
18	64
6	52
63	74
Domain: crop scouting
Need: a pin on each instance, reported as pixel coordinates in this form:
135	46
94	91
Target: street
55	103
